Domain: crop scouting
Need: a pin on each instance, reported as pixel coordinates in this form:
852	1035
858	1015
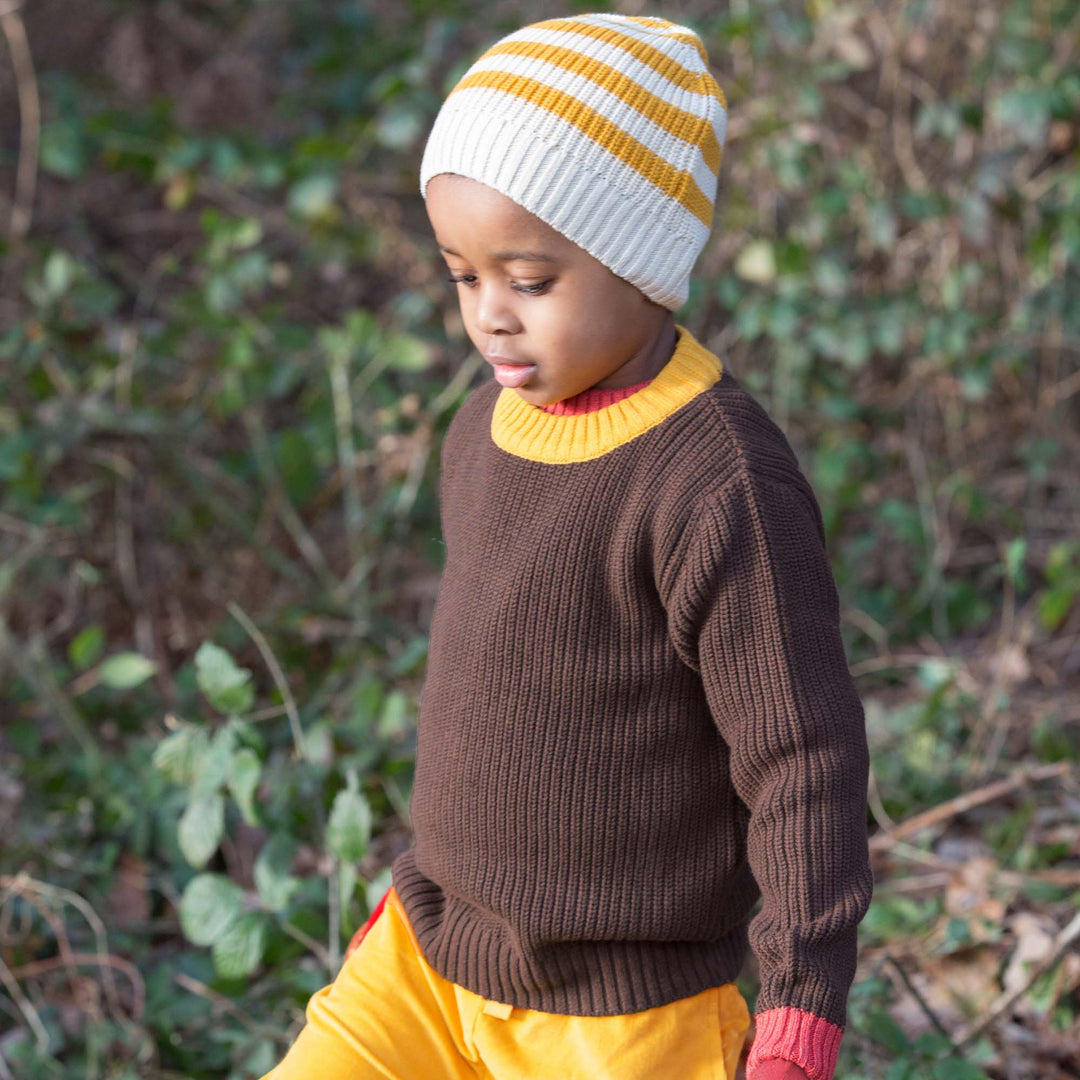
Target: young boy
637	715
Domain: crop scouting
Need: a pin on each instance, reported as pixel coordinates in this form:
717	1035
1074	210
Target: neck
648	361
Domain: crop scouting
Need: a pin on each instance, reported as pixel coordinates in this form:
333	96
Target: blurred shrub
224	375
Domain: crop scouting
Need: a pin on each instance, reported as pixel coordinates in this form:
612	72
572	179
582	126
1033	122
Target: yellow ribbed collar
528	431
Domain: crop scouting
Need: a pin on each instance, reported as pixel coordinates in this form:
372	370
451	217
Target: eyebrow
511	256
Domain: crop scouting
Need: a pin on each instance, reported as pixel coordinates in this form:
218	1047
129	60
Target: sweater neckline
595	397
531	432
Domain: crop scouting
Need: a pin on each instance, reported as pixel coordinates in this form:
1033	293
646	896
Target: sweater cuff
810	1041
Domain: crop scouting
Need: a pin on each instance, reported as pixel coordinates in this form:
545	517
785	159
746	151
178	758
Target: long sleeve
755	611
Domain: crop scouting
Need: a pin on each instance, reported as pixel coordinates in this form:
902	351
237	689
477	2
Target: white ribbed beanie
609	128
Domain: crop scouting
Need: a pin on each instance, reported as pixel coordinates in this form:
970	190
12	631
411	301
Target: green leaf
1015	553
86	647
208	907
1054	604
378	887
394	721
318	741
349	829
347	881
398	126
244	781
63	149
411	658
122	671
222	680
313	196
177	756
903	1069
295	454
214	764
200	829
1059	560
1026	110
57	276
884	1030
406	352
830	275
247	735
275	883
238	951
881	224
365	699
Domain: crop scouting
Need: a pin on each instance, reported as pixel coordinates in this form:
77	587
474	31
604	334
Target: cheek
595	315
610	305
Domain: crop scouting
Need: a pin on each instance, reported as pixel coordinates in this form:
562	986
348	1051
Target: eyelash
529	290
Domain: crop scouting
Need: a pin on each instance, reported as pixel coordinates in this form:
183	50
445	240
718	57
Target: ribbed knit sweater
637	715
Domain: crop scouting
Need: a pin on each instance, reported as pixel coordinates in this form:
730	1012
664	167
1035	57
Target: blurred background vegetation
228	355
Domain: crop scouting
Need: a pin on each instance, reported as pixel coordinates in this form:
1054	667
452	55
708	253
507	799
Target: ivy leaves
223	768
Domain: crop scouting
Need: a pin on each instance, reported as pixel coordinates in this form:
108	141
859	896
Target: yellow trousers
390	1016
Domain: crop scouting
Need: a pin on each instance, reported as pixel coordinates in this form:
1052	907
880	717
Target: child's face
530	296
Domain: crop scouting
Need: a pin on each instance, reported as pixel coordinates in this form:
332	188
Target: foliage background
227	358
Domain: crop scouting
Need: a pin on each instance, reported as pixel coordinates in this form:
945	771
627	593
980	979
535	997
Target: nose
493	315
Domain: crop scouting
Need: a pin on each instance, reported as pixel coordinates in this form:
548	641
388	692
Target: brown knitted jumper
637	716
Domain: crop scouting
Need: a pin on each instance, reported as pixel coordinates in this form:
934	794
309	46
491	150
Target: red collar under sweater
595	397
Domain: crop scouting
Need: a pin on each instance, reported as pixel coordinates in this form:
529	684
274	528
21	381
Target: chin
532	395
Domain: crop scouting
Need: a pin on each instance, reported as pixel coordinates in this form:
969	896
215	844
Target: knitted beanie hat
609	128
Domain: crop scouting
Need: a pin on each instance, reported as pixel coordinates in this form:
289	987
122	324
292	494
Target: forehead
467	214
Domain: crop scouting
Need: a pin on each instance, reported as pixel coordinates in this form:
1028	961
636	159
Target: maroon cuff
792	1035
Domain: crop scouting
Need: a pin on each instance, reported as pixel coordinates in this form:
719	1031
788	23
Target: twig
935	816
193	986
308	942
341	396
397	798
23	1003
263	646
913	990
305	542
29	116
877	807
80	959
415	476
333	888
1061	943
31	890
1064	879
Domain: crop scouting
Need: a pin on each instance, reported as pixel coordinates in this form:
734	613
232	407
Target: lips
510	372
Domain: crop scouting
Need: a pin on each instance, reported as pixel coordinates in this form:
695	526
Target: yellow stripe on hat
698	82
680	35
677	183
678	122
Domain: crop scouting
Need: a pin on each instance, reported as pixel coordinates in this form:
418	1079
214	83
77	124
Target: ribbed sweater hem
577	978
